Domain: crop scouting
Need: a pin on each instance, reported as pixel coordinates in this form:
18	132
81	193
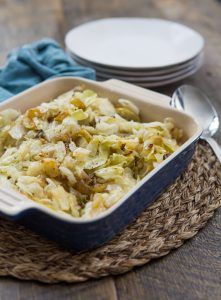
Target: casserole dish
81	234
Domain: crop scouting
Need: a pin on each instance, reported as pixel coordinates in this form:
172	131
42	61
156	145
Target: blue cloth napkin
37	62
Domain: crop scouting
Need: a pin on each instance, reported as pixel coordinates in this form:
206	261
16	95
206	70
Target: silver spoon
197	104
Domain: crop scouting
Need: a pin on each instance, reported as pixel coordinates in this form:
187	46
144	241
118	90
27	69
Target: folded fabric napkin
37	62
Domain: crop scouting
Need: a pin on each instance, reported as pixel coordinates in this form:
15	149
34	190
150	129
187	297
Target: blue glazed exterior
81	237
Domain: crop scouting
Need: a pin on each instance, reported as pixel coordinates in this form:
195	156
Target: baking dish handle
136	91
11	203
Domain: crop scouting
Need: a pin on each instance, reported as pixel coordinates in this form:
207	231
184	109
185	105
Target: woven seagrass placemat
175	217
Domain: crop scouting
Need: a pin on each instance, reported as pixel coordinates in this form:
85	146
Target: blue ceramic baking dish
80	234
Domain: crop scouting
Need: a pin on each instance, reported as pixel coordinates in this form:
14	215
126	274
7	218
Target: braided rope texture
177	215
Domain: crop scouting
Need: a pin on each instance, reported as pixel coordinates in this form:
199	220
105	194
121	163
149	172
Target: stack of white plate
146	52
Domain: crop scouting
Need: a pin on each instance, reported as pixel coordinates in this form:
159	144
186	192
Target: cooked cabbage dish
79	154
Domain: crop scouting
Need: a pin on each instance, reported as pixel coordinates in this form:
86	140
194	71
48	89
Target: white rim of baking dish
23	203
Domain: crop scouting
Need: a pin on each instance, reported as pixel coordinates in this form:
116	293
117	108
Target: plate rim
67	38
126	73
154	78
153	84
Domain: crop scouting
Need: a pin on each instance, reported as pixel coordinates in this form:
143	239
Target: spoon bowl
194	102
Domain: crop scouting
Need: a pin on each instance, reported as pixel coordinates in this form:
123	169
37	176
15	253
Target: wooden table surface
194	270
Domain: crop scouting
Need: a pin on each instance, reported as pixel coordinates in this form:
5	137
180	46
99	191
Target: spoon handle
215	146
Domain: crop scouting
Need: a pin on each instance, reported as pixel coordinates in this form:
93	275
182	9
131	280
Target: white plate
136	72
134	42
147	78
157	83
144	79
126	73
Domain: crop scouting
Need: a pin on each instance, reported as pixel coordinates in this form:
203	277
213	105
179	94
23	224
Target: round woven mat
176	216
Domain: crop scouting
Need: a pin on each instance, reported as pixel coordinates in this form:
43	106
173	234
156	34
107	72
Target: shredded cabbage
79	154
